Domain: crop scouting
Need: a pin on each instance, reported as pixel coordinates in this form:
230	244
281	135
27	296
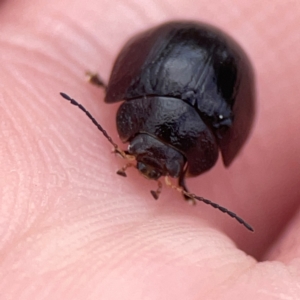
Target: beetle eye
222	125
148	171
153	174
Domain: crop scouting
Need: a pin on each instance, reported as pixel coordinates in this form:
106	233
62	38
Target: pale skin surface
72	229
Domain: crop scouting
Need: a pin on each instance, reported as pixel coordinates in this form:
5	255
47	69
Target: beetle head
154	158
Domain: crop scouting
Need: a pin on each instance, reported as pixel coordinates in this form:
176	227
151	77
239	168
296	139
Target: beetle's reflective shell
188	91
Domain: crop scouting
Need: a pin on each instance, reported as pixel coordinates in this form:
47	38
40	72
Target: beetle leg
95	79
122	172
156	193
122	153
181	189
181	183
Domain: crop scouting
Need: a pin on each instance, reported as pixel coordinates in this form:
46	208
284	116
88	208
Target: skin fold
73	229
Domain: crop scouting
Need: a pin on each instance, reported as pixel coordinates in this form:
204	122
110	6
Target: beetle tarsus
121	173
156	193
95	79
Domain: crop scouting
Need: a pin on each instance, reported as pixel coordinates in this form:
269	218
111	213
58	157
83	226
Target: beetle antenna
74	102
221	208
193	197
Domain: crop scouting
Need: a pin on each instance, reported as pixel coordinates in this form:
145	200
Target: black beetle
187	92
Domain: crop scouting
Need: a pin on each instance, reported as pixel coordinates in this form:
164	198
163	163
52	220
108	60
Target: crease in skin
20	179
170	261
54	55
275	295
30	209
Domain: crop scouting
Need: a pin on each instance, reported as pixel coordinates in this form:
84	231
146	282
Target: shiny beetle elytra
187	92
